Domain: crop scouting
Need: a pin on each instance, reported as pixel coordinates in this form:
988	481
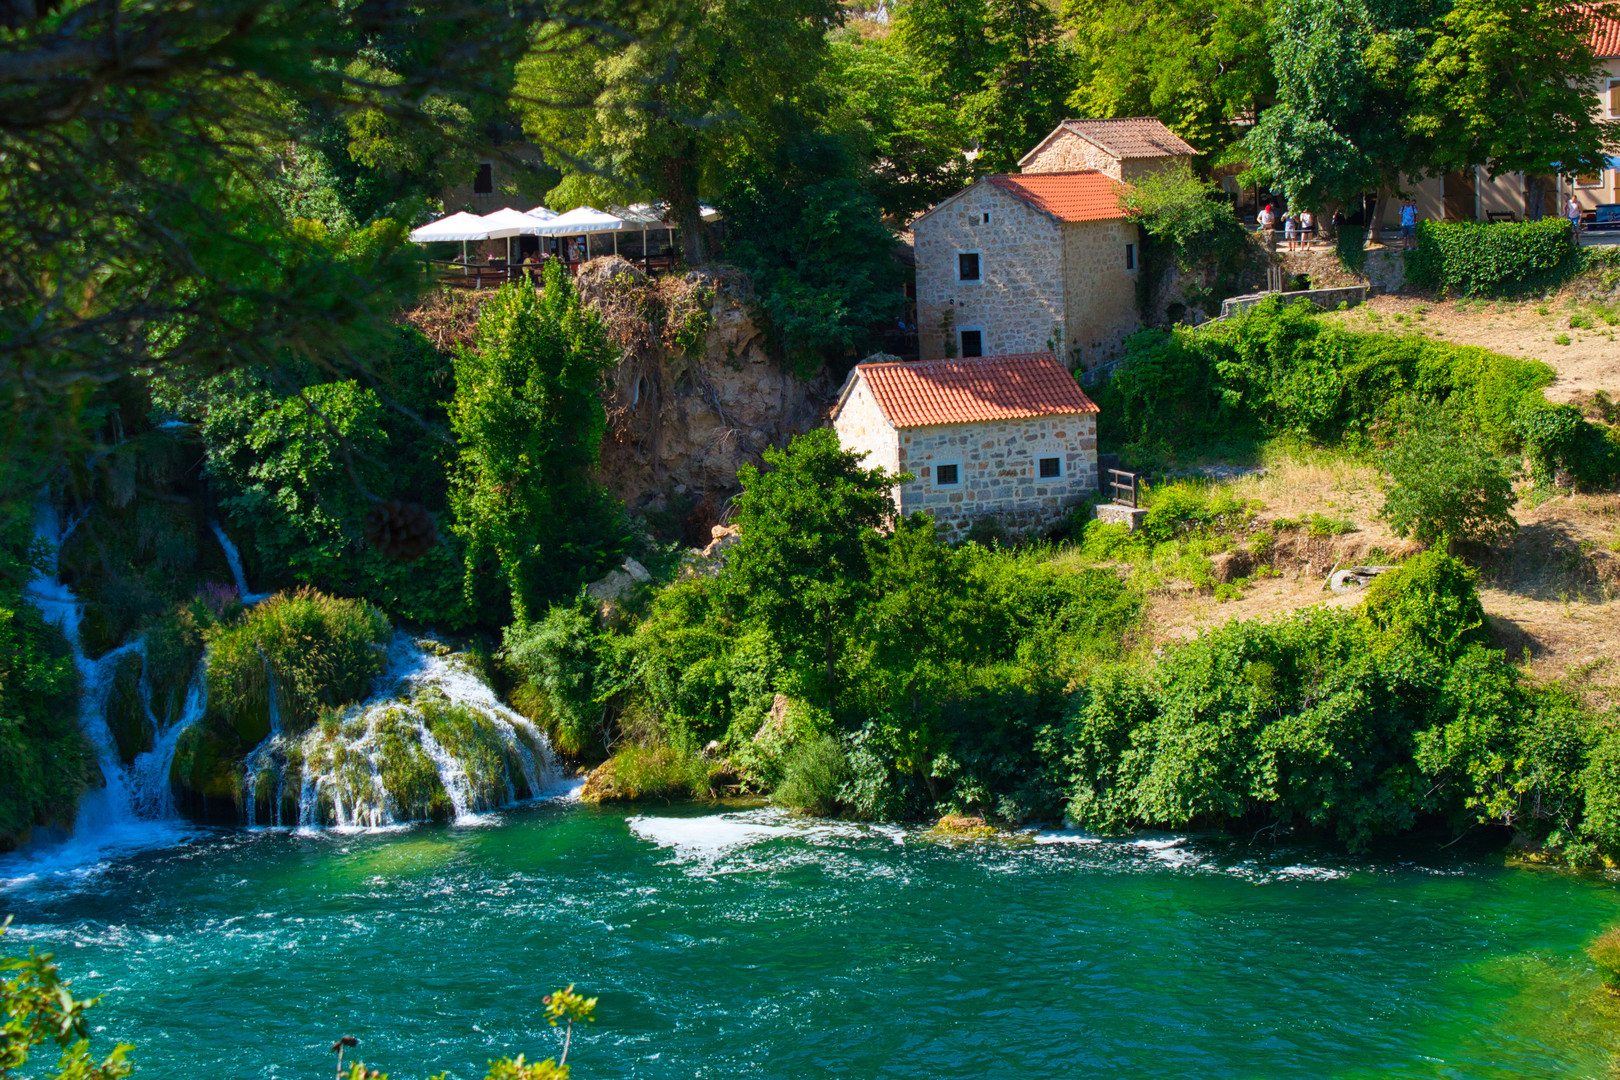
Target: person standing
1572	210
1307	226
1288	227
1409	222
1265	219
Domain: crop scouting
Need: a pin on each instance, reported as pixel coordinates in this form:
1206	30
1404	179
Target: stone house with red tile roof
1009	436
1125	148
1027	262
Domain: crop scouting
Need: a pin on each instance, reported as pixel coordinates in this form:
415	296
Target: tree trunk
680	188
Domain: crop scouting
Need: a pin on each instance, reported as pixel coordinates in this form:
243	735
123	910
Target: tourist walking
1572	210
1289	226
1307	226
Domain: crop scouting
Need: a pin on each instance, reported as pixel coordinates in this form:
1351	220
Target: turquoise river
740	943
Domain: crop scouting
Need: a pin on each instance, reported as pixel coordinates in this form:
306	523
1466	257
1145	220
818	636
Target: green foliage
1003	64
1283	370
559	655
1194	64
37	1009
1469	259
1558	439
1605	953
822	261
529	422
1445	484
1350	245
814	774
1429	599
802	562
43	757
1189	227
1369	94
305	650
655	771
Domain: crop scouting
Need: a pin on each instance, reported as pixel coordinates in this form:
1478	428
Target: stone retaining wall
1323	299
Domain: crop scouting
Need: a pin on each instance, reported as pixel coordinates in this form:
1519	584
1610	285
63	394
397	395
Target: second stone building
1012	437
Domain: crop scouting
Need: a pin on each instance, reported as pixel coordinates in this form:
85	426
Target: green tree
910	139
1369	94
802	565
1003	63
1188	227
1198	65
1445	484
529	420
664	110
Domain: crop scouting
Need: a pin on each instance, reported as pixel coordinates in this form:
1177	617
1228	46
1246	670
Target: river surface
744	944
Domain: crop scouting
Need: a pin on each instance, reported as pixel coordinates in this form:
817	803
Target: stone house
1126	148
1012	436
1028	262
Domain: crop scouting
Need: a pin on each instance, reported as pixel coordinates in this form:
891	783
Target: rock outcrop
697	394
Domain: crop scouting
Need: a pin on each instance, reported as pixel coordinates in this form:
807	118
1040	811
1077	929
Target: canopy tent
542	213
460	226
506	223
586	221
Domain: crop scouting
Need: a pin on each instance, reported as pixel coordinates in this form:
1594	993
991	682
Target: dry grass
1553	594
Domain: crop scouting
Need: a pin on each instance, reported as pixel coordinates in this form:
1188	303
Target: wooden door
1461	201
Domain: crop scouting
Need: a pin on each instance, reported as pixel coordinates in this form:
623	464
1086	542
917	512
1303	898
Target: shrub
814	774
1557	438
1605	953
1472	259
558	656
304	650
660	771
1431	599
1350	245
1445	484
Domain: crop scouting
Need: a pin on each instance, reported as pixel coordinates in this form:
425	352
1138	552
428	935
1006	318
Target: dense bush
1605	953
814	775
43	757
1469	259
1558	439
305	651
1282	370
558	656
1444	484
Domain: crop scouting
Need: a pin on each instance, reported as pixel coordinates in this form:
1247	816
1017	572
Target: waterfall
432	741
139	792
233	557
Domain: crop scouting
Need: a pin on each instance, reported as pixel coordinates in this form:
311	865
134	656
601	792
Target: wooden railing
1125	487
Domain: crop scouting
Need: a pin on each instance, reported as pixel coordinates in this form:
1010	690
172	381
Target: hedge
1468	259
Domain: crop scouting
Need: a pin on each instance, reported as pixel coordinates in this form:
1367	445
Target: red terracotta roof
983	388
1603	33
1085	195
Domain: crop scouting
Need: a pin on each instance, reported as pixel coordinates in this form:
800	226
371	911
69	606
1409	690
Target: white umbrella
460	226
506	223
542	213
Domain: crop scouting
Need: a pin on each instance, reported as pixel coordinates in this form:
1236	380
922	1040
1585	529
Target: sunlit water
745	944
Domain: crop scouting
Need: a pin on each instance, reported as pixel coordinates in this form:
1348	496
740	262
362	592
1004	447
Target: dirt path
1589	361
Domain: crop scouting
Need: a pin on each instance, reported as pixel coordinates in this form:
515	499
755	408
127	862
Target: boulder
637	571
1228	566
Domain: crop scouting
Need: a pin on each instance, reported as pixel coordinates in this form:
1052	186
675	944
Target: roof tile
1603	33
1084	195
1132	136
913	394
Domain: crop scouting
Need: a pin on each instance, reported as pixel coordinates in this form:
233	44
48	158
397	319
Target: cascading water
233	558
140	791
433	741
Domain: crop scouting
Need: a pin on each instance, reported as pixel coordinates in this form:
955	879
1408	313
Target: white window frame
961	346
1040	457
1131	261
1591	187
972	280
938	465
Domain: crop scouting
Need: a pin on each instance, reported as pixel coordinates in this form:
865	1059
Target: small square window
987	217
967	266
946	475
1614	97
1589	180
1050	468
1130	256
972	343
484	179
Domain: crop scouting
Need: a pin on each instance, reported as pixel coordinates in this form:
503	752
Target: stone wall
1017	301
1099	292
1066	152
863	428
997	471
1384	270
1322	299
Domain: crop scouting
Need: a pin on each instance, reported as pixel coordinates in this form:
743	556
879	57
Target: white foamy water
233	558
424	701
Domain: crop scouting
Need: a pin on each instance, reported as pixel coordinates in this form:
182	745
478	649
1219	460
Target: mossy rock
126	714
207	768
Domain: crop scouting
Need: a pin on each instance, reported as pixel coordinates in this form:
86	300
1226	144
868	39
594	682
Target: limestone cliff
696	394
